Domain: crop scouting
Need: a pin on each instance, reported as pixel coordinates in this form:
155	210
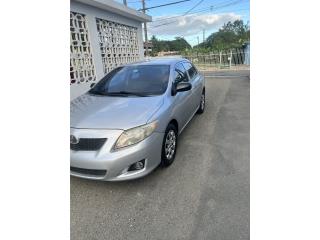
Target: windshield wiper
97	93
127	93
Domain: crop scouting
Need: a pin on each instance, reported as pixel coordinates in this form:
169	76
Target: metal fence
235	58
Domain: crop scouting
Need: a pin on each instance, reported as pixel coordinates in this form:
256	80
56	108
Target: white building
103	35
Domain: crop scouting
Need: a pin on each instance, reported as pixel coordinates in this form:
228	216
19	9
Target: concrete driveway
204	194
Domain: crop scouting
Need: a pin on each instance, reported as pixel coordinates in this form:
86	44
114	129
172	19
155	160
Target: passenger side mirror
181	87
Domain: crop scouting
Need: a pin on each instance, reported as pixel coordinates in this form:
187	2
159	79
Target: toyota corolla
128	123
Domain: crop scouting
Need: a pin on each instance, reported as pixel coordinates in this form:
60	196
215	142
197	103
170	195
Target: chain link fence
231	59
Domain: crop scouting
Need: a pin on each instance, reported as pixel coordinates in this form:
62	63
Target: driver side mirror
181	87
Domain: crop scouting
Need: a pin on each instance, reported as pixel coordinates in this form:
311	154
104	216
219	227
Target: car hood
110	112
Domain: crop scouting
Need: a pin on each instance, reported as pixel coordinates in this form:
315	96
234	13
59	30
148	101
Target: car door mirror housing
181	87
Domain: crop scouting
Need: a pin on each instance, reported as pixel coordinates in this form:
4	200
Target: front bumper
92	164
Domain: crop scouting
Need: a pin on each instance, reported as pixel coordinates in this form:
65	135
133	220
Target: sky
189	19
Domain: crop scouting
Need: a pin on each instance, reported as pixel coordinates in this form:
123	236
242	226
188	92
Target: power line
144	8
197	4
192	35
211	8
167	4
137	1
183	14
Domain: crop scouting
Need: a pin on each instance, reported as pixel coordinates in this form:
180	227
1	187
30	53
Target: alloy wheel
203	101
170	144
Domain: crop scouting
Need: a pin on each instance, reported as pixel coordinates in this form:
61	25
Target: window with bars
118	44
81	61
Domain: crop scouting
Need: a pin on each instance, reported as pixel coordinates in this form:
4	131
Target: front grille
88	144
92	172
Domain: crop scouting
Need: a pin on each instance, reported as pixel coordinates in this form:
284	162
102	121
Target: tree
178	44
231	35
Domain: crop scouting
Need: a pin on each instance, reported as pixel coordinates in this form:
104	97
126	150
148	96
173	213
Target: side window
192	71
180	74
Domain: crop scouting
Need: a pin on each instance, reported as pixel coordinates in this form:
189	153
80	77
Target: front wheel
202	103
169	145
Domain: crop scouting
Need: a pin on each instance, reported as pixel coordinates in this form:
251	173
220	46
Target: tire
169	145
202	103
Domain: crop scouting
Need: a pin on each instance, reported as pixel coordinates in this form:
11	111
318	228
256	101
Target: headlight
135	135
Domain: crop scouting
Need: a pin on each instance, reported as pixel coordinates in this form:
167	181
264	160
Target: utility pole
145	29
198	47
203	35
125	2
145	23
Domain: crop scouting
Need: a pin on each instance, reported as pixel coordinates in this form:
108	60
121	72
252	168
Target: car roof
159	61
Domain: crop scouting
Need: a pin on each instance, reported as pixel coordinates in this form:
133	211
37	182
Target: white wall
91	14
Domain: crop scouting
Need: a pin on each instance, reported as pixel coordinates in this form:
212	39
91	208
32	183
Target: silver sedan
129	122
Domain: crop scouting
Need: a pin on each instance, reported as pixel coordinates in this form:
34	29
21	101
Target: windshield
138	80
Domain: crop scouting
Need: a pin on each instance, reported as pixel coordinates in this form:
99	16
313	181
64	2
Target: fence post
230	61
220	58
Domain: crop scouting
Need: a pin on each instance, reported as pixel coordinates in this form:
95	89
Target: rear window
191	69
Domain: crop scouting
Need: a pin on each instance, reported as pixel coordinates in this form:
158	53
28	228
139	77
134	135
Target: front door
183	100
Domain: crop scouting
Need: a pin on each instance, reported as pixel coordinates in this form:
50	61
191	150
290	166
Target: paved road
203	195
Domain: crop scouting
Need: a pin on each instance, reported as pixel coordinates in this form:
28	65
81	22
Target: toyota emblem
73	139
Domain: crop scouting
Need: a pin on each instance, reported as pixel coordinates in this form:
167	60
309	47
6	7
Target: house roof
118	8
